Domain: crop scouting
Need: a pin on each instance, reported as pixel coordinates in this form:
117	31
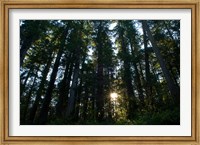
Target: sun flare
113	96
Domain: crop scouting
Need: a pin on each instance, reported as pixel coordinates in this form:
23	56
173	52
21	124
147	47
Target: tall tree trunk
45	106
137	75
147	71
29	98
85	101
72	98
23	85
174	90
127	78
67	90
99	97
141	73
93	99
73	90
139	86
63	91
79	92
34	108
78	102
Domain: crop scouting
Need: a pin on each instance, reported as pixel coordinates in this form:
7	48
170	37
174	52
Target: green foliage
162	117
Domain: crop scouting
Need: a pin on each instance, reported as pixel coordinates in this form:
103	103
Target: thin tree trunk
73	90
67	90
80	88
147	71
128	79
78	101
45	107
34	108
72	98
139	86
99	95
24	84
85	102
29	98
63	91
138	80
174	90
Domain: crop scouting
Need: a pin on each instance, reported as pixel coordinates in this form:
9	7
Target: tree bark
85	102
72	98
128	78
28	98
34	108
63	91
73	89
99	97
137	75
174	90
22	86
147	70
45	107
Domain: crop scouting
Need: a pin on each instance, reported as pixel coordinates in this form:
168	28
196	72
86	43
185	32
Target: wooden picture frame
194	139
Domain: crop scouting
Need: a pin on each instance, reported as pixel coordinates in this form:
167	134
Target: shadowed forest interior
99	72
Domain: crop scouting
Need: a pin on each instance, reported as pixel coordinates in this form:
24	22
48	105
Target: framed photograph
105	72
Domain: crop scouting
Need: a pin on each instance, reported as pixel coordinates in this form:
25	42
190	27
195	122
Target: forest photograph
99	72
